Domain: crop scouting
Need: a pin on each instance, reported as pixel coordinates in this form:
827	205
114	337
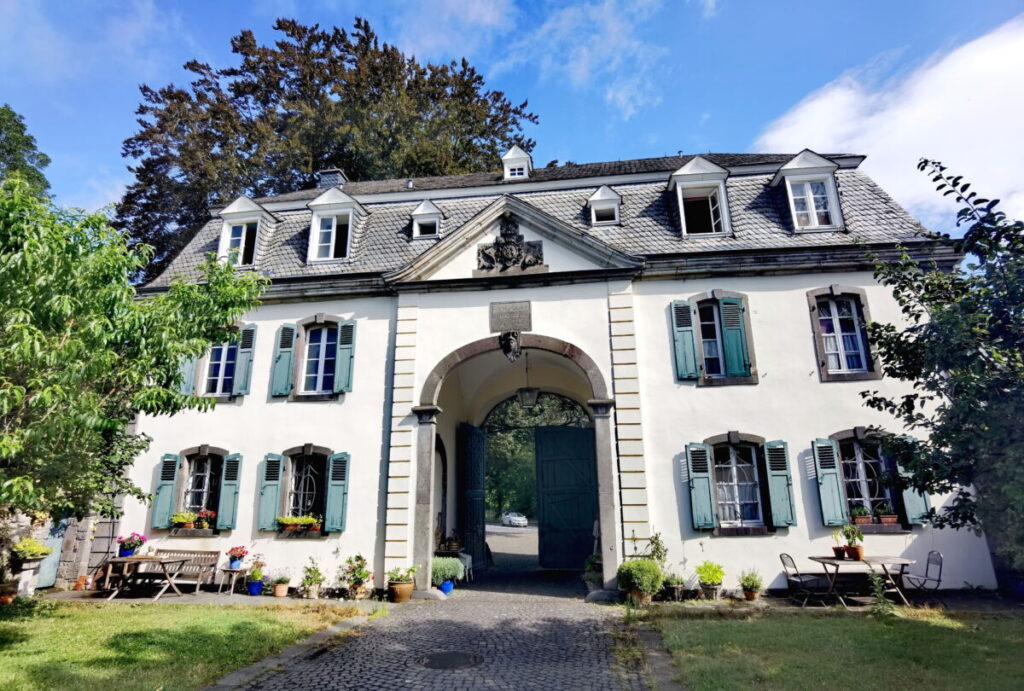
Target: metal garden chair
925	587
806	586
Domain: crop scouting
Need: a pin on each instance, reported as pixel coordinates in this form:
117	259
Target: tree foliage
18	152
963	352
81	355
316	99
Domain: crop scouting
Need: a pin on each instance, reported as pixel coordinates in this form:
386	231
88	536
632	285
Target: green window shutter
243	361
780	484
682	337
734	337
270	491
166	490
826	464
337	492
702	506
346	356
187	373
284	354
227	507
916	504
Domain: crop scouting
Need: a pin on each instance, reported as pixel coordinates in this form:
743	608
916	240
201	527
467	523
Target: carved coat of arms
510	250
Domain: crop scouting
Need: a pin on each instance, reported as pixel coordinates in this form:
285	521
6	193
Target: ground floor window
202	488
736	485
863	475
308	493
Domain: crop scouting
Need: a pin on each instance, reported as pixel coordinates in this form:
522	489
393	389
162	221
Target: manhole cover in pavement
451	660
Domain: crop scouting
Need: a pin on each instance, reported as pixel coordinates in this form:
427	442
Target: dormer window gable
517	164
426	220
243	220
605	205
334	215
701	198
810	184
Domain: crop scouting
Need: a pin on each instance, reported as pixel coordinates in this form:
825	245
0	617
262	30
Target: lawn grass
83	645
916	650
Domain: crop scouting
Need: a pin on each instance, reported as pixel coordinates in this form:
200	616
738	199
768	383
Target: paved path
531	629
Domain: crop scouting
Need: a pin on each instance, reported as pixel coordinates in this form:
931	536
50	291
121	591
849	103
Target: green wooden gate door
566	495
472	444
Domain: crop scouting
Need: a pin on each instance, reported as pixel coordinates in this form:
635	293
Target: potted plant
204	519
885	513
28	552
641	578
674	587
593	573
400	584
444	572
315	523
854	536
838	549
861	515
453	544
710	576
235	557
751	583
280	584
184	519
126	546
312	578
254	581
8	588
355	574
288	522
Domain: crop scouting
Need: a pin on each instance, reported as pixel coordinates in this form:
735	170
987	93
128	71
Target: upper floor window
702	210
426	220
517	172
241	243
838	318
516	163
332	237
318	352
425	229
811	201
604	206
321	353
712	339
220	371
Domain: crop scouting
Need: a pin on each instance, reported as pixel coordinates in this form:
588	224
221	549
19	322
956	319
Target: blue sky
609	79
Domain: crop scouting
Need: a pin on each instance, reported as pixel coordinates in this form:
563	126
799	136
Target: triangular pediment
426	208
529	229
604	193
335	196
698	169
241	206
806	161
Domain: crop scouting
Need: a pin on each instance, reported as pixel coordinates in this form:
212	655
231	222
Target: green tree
963	351
315	99
81	355
18	152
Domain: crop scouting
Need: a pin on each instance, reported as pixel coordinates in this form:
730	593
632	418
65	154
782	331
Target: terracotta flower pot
358	592
280	590
640	599
855	552
188	526
400	592
750	594
315	527
862	520
839	552
889	519
7	598
291	526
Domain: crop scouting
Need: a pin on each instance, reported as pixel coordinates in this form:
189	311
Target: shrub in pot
860	514
886	515
184	519
28	552
254	581
280	586
674	588
444	571
838	549
593	575
710	576
400	584
355	574
312	578
854	536
751	583
641	578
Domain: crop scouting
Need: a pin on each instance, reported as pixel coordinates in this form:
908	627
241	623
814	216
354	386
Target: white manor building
706	310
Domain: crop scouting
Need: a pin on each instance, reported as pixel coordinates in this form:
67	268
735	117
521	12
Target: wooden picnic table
132	571
892	579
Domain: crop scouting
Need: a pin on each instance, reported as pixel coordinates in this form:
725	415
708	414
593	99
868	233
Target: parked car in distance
513	519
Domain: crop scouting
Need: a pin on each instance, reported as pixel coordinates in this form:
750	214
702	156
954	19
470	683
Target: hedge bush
640	574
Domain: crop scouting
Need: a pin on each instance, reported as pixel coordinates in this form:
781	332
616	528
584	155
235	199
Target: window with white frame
425	228
332	235
202	486
241	242
812	201
220	369
711	338
839	322
738	496
320	356
863	475
702	210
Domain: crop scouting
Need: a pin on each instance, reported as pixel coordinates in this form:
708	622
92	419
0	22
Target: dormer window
700	193
242	243
517	164
811	189
517	172
330	230
239	236
426	229
332	237
426	220
702	211
604	206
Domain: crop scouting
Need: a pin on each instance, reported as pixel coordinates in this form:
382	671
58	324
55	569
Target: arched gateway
464	386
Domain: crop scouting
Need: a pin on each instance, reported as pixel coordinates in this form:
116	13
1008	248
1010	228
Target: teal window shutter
346	356
166	490
284	356
227	507
270	491
683	340
243	361
187	374
702	506
734	337
915	503
780	484
337	492
826	464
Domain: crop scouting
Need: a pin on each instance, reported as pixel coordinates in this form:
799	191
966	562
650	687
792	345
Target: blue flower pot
255	587
234	563
126	551
447	587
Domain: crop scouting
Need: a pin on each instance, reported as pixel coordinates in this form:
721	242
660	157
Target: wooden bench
202	567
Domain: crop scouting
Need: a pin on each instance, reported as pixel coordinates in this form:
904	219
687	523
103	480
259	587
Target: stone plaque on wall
511	316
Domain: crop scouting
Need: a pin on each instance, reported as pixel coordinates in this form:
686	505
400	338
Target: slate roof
649	226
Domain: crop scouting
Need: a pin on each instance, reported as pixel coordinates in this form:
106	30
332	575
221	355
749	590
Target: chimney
332	177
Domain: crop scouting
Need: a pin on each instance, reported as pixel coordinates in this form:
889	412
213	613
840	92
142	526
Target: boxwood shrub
640	574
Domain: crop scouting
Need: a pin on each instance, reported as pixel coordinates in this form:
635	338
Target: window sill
726	381
822	229
194	532
301	534
734	531
698	236
310	397
883	529
330	260
849	376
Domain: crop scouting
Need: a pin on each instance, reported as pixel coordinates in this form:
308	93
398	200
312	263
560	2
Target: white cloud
443	29
595	45
962	107
31	47
708	8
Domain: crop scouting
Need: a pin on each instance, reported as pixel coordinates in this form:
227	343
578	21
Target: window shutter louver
702	505
187	371
166	490
734	337
227	507
270	491
345	360
243	361
916	504
284	354
826	464
337	492
683	339
780	484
